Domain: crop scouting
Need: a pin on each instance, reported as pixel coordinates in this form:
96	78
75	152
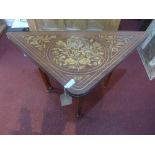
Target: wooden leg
107	80
79	109
46	81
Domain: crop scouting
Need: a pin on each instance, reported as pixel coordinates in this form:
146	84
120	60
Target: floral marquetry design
115	42
86	57
77	53
40	42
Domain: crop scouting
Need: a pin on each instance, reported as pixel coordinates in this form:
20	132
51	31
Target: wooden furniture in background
73	24
2	26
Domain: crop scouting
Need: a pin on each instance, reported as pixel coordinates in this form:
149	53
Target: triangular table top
86	57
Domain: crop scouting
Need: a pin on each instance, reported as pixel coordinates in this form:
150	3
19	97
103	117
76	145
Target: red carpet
128	106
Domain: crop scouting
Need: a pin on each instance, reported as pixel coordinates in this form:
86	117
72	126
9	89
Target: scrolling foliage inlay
77	53
86	57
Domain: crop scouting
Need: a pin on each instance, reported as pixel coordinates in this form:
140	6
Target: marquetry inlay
86	57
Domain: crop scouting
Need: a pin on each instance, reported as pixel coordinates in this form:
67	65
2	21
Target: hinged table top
86	57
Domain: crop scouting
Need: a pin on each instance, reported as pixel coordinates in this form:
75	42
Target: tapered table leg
79	114
46	81
107	80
